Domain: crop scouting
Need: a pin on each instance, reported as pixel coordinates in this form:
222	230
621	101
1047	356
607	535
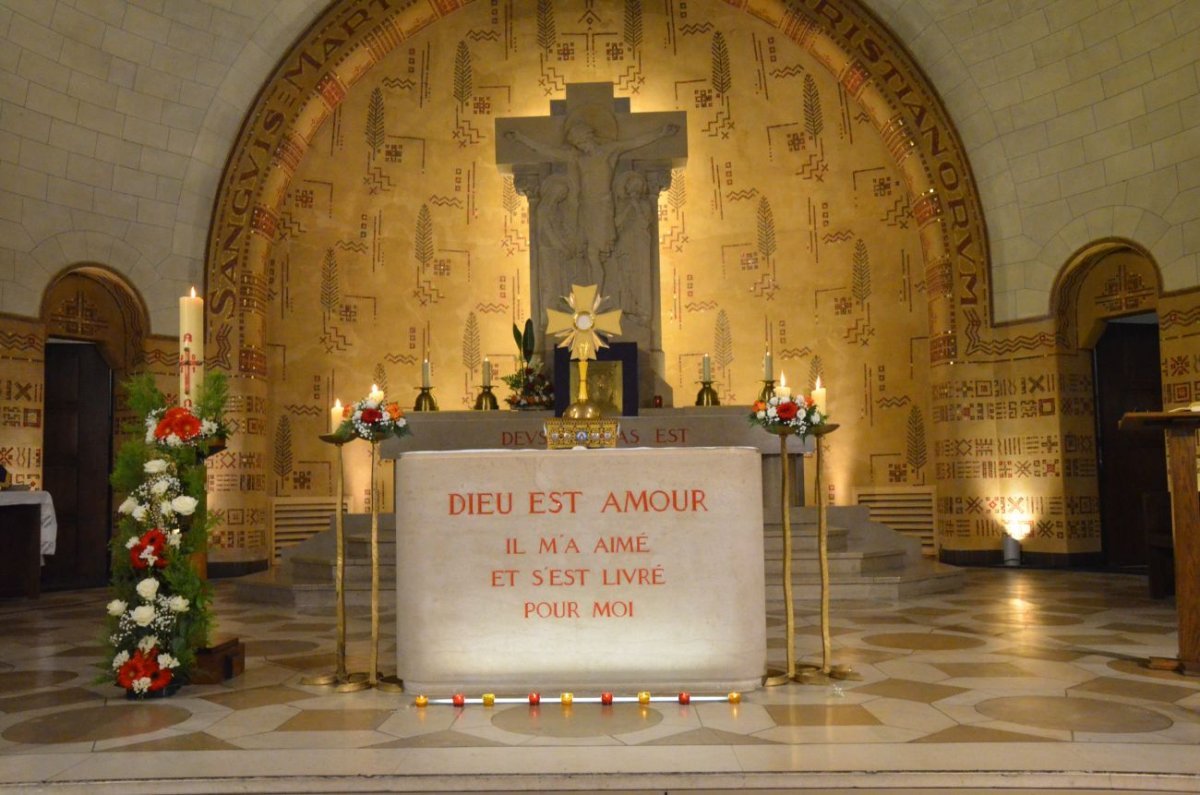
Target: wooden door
77	454
1128	378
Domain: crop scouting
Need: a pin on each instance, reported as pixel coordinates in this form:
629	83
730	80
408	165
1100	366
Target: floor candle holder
785	506
820	432
340	678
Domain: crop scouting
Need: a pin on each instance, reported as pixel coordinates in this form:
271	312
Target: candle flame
337	403
818	386
374	388
193	291
782	379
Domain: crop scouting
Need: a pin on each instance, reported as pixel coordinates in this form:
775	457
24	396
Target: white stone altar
580	570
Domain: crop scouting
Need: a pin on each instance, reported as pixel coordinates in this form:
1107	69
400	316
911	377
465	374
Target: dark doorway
1132	464
76	464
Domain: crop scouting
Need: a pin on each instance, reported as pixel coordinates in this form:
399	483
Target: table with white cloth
29	530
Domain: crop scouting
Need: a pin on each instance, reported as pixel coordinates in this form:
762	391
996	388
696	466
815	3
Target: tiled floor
1024	679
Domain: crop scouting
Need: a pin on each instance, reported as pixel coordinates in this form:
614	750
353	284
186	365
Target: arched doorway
95	324
1107	308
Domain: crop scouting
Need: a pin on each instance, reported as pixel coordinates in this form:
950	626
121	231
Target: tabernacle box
576	569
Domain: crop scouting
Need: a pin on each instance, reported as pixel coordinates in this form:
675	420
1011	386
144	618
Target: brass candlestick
425	401
707	396
820	432
373	668
768	390
486	401
785	505
340	678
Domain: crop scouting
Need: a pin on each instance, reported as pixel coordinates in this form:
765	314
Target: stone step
926	578
804	536
314	569
857	562
282	587
359	546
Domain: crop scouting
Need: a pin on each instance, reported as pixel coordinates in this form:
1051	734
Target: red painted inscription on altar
563	562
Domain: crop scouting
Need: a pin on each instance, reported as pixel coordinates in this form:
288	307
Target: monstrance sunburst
578	332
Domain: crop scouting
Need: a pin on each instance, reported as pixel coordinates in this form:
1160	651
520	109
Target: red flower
154	540
370	416
178	421
787	411
160	679
138	666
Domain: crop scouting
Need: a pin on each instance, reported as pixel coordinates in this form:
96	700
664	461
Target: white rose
160	486
177	604
142	615
120	659
184	505
127	506
155	467
116	607
148	588
139	513
165	510
147	643
762	415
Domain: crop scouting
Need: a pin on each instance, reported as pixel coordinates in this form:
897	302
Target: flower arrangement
529	385
160	611
782	413
373	418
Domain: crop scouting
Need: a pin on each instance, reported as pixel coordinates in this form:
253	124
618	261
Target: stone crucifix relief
592	172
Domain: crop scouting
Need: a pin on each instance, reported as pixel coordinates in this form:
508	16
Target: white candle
335	416
783	390
191	347
487	372
819	396
426	379
768	368
706	369
375	395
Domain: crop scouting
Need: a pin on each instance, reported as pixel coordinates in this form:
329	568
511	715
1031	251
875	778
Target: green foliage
143	394
526	341
212	396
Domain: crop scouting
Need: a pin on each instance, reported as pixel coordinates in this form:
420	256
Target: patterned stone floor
1022	679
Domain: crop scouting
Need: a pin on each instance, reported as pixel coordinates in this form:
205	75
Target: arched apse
871	69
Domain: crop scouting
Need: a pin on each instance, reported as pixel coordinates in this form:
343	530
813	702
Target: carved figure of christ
591	166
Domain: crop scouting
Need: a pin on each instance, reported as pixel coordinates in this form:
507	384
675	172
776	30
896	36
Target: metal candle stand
342	681
827	668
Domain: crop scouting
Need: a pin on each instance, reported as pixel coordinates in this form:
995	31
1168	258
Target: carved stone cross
592	172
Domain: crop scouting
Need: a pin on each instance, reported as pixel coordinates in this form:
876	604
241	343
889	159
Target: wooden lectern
1180	430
